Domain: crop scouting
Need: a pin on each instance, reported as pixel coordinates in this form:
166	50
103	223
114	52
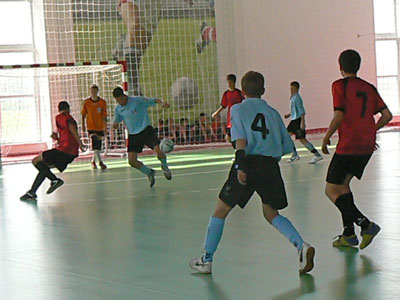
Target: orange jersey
95	112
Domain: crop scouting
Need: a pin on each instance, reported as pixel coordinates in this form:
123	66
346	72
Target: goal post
29	95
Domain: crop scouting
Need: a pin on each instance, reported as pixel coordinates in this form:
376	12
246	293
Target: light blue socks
145	170
285	227
163	162
213	236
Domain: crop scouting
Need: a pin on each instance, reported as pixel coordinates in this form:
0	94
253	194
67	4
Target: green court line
212	160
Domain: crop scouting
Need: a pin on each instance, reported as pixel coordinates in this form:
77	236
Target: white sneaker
293	159
315	159
203	267
306	257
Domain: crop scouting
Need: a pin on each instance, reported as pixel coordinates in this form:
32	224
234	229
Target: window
384	16
19	108
387	30
386	58
16	18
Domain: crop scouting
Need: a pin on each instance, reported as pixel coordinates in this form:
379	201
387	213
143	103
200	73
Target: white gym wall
299	40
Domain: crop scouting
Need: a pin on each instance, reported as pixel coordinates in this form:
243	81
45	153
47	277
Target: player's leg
43	163
153	142
207	34
162	157
340	195
232	194
295	156
338	191
139	19
317	156
97	141
93	140
305	251
135	163
292	129
213	237
266	176
40	177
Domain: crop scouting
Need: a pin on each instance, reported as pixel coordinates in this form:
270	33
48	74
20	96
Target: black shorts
342	165
147	137
57	158
294	127
263	176
96	142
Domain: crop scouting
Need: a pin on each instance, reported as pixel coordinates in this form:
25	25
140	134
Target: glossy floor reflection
106	235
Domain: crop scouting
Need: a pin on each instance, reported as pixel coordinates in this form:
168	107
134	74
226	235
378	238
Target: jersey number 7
364	97
263	128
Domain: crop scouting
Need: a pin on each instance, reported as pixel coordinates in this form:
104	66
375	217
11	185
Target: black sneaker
28	196
167	172
152	178
55	185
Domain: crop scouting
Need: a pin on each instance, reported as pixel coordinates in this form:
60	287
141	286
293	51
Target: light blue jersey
296	106
134	114
262	127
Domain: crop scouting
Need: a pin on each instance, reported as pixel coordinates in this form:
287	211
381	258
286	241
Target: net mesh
169	47
29	99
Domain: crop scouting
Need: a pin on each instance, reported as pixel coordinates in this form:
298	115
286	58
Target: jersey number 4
364	97
262	128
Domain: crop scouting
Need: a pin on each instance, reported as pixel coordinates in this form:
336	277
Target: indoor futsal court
105	235
129	129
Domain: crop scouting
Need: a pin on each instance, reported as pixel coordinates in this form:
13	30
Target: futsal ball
185	93
167	145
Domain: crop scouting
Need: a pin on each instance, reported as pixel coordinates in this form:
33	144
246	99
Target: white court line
137	179
174	193
194	191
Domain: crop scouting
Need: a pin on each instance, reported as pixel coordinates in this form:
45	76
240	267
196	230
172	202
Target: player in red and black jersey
355	103
68	143
230	97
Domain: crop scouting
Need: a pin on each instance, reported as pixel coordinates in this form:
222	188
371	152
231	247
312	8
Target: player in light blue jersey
297	125
261	139
133	111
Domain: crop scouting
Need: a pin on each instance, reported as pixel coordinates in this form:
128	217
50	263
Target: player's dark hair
202	114
253	84
94	86
63	105
118	92
350	61
231	77
296	84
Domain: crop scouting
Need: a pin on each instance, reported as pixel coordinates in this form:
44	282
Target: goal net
29	95
170	47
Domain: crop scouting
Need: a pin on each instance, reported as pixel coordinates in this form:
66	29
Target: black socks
350	214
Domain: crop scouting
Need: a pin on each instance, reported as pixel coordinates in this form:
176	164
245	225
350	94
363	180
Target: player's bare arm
54	136
240	146
217	112
386	117
303	121
74	132
164	104
83	123
337	119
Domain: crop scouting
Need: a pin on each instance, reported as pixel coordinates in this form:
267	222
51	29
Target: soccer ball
167	145
185	93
